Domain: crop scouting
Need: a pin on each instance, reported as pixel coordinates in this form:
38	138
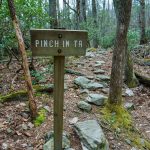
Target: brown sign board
58	42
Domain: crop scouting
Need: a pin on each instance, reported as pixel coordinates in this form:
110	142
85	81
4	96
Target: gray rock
24	127
129	92
99	71
83	147
69	149
82	81
85	83
91	135
97	99
105	91
129	106
4	146
9	131
100	62
133	148
25	115
47	108
102	77
94	86
73	120
85	91
30	125
90	55
84	106
97	65
49	145
90	77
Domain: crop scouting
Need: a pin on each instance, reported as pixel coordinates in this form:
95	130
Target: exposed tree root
21	93
142	79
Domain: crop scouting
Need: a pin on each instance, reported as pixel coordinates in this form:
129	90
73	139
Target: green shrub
133	38
40	118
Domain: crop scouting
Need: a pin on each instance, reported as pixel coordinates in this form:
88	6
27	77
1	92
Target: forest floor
18	133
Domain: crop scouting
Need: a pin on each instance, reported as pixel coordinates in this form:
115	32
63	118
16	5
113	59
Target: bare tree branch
69	6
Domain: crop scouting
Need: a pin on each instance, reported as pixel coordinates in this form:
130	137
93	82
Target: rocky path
87	87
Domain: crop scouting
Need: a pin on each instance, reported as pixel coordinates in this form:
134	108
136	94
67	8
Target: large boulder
91	135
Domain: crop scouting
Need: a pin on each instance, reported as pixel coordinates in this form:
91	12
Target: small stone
25	115
24	145
90	55
82	81
4	146
102	77
47	108
9	130
90	77
30	148
97	99
22	104
128	141
100	62
129	106
84	91
129	92
84	106
133	148
73	120
97	65
105	91
24	127
94	86
99	71
30	125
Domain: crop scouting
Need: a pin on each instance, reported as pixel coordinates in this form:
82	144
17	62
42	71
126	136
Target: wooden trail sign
58	43
51	42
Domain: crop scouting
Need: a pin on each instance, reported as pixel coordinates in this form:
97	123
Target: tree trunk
83	11
123	12
130	78
77	14
32	103
53	14
142	22
94	14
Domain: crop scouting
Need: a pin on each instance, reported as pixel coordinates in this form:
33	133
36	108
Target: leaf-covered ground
18	133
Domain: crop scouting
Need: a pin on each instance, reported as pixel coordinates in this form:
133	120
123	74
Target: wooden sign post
58	43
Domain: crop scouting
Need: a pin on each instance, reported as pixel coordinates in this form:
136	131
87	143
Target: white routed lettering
36	43
51	43
45	43
67	43
56	43
75	43
80	43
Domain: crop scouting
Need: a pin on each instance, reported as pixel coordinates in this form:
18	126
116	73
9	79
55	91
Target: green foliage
40	118
108	40
148	34
133	38
38	76
31	14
